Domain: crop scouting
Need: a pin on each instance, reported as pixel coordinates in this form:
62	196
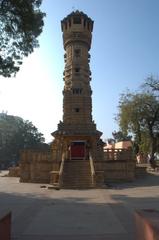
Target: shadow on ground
74	218
150	179
45	214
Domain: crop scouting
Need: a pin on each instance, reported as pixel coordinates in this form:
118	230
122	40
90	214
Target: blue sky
125	50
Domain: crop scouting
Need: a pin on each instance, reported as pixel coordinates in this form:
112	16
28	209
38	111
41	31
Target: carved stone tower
77	105
77	137
76	158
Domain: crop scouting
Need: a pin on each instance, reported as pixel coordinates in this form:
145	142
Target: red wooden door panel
78	150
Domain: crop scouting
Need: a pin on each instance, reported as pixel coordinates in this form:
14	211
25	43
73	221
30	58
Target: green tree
120	136
17	134
139	115
21	22
151	84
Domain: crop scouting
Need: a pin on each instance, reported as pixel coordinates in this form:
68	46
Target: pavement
39	213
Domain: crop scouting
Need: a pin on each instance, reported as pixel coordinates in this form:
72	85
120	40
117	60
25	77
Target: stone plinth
117	170
14	172
35	166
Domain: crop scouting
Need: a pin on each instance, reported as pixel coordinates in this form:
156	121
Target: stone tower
76	158
77	106
77	136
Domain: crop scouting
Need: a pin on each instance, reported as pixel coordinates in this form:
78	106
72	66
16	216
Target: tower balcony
77	26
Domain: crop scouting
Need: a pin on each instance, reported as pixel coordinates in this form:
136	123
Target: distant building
123	144
119	145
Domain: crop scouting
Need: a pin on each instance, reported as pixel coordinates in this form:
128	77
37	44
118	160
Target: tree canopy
21	22
17	134
151	84
120	136
139	115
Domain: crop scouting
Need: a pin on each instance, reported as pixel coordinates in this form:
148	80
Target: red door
78	150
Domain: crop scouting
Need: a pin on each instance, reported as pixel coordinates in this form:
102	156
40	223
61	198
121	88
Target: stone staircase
77	175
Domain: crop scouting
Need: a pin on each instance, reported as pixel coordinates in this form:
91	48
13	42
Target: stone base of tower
75	161
56	167
70	163
75	149
69	135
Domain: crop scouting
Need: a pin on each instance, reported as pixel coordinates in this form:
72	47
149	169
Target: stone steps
77	174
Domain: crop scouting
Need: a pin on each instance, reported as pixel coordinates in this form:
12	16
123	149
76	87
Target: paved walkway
39	213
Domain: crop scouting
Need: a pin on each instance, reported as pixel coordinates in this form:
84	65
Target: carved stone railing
56	176
118	154
30	155
93	175
61	171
